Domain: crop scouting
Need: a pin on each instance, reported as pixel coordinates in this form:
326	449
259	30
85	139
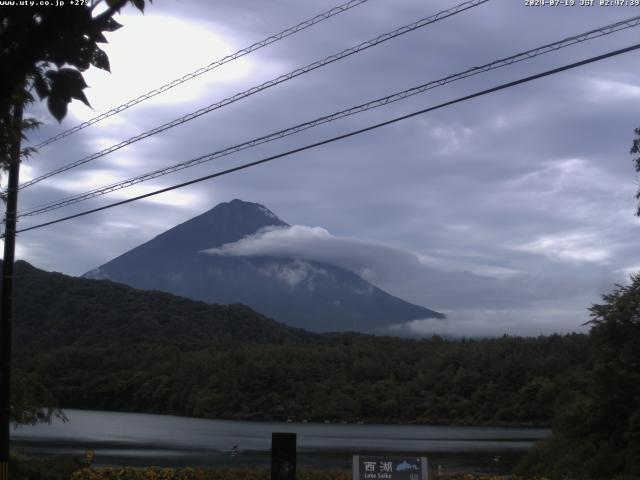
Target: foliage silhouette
597	434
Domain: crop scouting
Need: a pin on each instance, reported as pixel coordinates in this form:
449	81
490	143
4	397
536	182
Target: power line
606	30
282	78
178	81
341	137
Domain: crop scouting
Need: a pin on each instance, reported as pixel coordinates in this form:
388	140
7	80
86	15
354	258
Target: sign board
389	468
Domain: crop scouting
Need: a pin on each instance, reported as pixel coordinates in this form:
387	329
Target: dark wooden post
6	300
283	456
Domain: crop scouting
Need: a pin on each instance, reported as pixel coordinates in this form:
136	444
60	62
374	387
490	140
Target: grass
66	468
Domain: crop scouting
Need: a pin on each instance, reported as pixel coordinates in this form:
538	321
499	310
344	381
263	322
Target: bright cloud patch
450	139
492	323
500	301
173	42
400	272
573	248
373	261
295	273
558	176
607	90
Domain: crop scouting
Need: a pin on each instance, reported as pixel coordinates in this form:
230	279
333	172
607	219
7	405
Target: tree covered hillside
54	310
597	433
100	345
506	381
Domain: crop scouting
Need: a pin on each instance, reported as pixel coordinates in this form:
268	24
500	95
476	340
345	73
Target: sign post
283	456
389	468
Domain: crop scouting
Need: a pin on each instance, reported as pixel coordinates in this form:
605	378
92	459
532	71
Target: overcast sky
511	213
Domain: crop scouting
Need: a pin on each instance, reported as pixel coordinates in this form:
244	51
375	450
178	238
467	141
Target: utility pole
6	300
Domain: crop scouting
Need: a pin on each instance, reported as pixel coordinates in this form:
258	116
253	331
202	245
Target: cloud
500	208
628	271
604	90
572	247
146	36
294	273
512	302
374	261
494	323
451	139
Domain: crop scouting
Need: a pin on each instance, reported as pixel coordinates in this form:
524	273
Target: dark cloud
523	199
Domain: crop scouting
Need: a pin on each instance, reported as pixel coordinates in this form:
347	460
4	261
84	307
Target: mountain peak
240	207
306	294
227	222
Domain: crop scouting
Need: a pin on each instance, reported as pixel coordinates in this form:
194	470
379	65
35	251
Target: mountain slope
307	294
54	310
226	223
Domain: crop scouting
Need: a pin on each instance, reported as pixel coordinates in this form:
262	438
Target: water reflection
140	439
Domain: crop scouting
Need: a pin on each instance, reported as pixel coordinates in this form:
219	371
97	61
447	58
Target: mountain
53	310
307	294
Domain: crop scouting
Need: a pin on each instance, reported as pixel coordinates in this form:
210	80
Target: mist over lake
143	439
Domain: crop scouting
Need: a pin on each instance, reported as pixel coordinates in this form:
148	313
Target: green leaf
57	106
79	95
83	54
69	80
30	123
99	37
28	152
100	60
110	25
41	86
66	83
139	4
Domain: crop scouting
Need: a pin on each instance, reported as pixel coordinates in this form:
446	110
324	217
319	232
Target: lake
141	439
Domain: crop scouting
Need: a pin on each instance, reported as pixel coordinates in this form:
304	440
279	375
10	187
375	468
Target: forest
506	381
99	345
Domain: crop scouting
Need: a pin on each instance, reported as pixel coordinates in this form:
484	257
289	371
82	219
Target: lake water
141	439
